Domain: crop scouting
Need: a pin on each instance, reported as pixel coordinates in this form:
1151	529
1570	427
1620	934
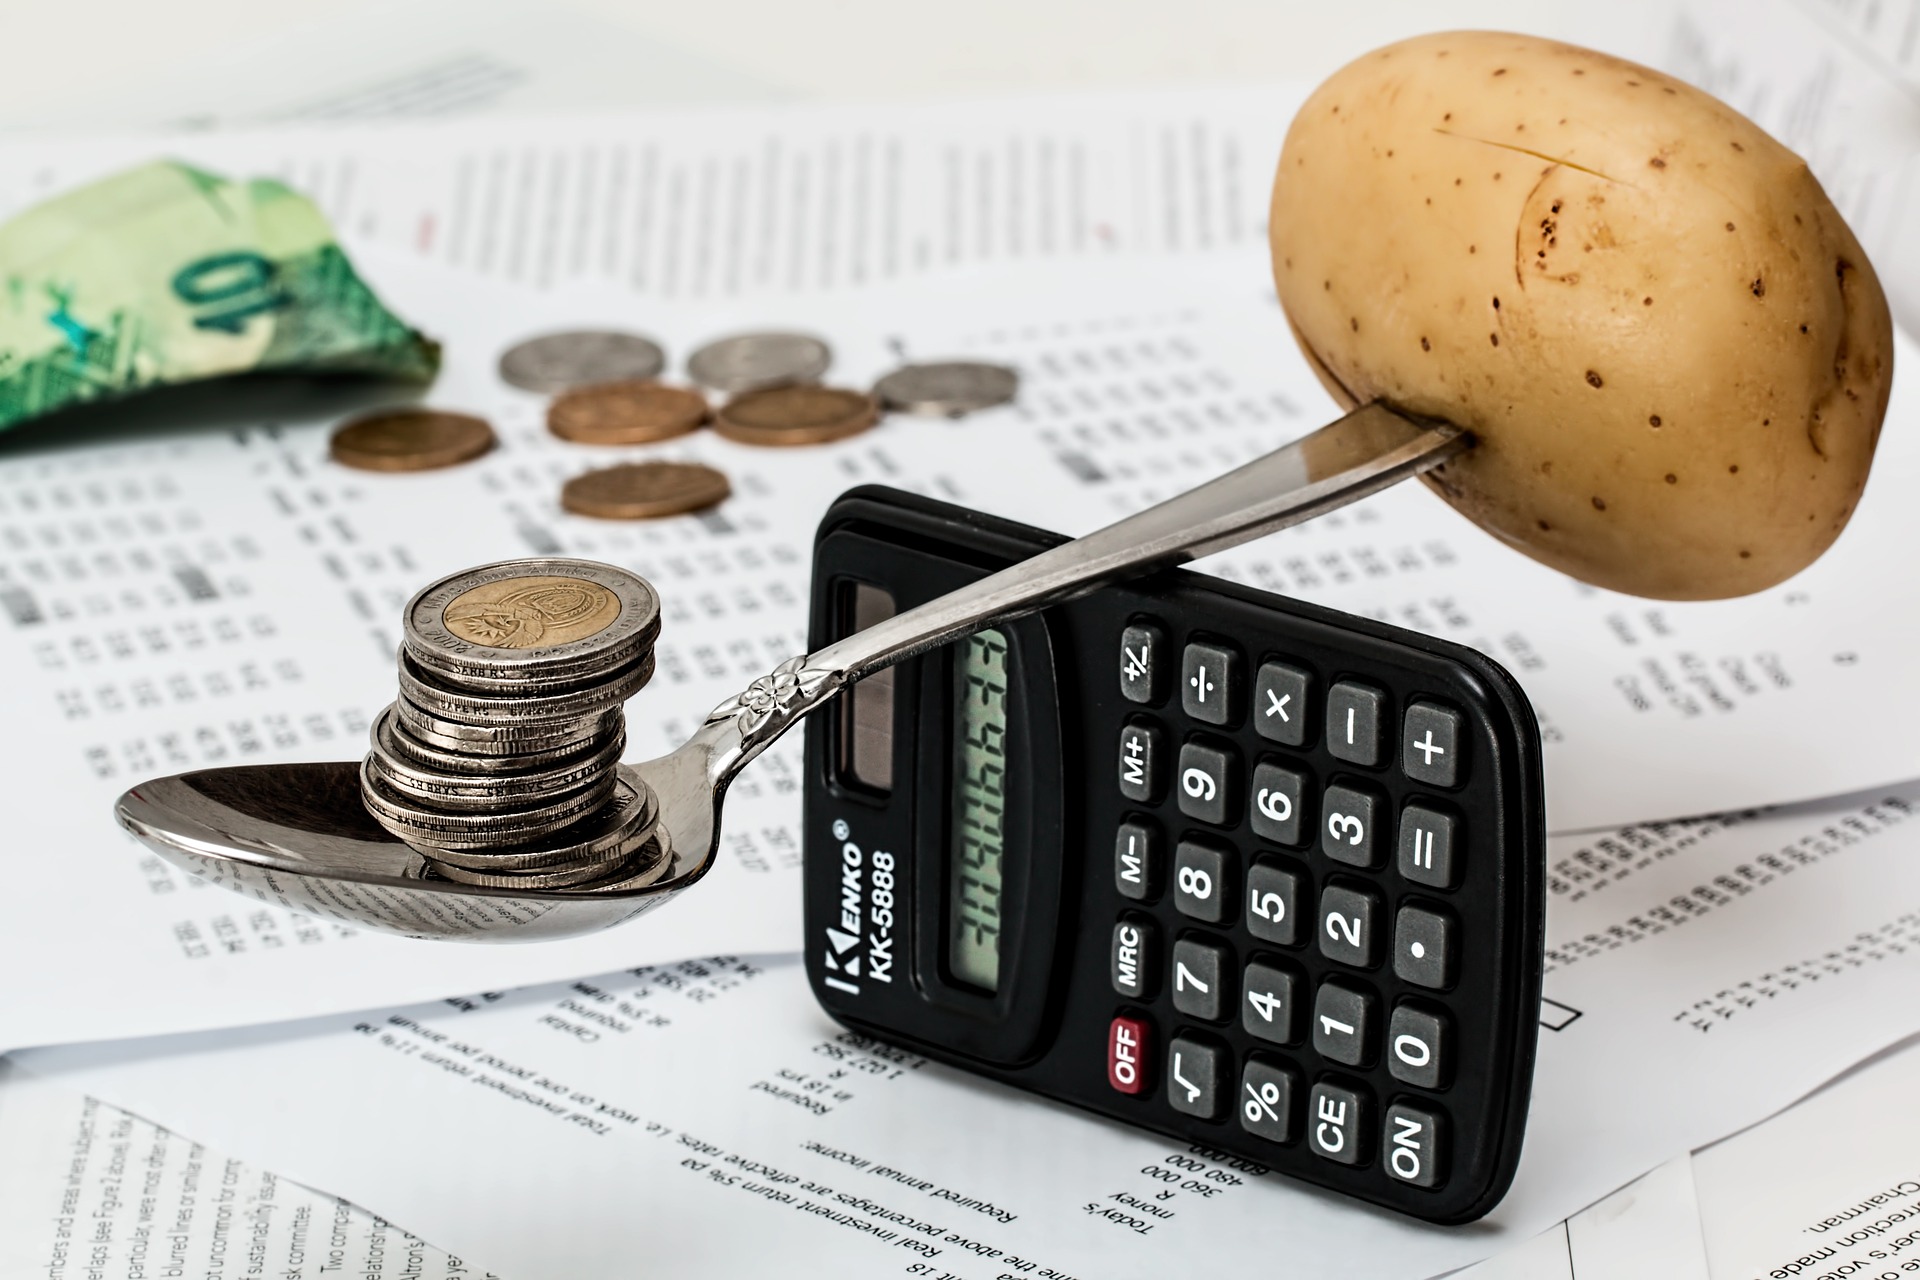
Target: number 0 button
1200	881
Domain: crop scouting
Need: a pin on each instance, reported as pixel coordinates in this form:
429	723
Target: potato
1671	350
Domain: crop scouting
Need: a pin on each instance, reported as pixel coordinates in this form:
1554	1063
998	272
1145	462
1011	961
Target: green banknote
168	274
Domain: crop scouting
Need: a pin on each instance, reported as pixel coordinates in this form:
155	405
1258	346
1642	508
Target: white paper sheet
1650	1227
1830	1189
718	202
758	1131
185	597
88	1190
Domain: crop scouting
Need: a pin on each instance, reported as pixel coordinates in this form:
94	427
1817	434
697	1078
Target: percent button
1267	1091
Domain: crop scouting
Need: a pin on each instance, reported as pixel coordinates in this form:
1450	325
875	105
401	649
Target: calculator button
1133	958
1128	1041
1337	1119
1201	881
1423	947
1141	647
1279	795
1196	1077
1355	714
1142	749
1210	683
1271	1008
1202	979
1414	1145
1136	860
1273	904
1350	825
1280	704
1349	919
1208	782
1430	744
1418	1042
1429	841
1343	1023
1267	1091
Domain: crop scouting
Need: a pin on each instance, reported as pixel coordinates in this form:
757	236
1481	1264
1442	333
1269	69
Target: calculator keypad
1317	824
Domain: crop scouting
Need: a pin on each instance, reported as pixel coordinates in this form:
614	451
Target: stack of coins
500	761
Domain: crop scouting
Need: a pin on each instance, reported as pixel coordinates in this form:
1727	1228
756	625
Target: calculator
1232	868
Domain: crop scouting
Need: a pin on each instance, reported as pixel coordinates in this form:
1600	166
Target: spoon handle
1358	455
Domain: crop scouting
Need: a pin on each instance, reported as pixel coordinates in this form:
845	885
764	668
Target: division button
1355	714
1142	752
1209	777
1337	1120
1273	904
1196	1077
1280	704
1141	647
1431	741
1136	860
1349	919
1423	947
1133	958
1418	1042
1271	1006
1267	1092
1279	796
1202	979
1414	1152
1210	683
1343	1023
1350	826
1201	881
1428	843
1128	1042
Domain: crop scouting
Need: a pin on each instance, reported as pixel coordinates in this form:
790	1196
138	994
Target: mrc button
1133	958
1127	1055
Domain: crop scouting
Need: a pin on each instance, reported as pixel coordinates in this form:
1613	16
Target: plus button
1428	748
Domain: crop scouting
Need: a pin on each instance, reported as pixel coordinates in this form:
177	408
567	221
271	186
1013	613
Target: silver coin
497	740
948	388
569	703
556	362
402	741
467	791
648	865
601	836
748	361
428	828
543	618
553	877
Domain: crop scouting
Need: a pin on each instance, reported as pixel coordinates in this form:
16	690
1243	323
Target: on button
1127	1055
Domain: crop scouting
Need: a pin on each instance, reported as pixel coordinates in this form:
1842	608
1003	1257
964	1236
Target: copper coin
803	414
644	490
636	412
410	440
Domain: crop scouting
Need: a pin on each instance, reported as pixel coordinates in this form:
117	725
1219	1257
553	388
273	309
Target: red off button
1127	1055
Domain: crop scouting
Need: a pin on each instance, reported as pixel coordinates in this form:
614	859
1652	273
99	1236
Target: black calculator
1232	868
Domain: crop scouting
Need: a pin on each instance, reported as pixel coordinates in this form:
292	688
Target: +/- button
1128	1043
1141	647
1210	683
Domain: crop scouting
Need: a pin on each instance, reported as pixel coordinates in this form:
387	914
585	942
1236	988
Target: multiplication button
1280	704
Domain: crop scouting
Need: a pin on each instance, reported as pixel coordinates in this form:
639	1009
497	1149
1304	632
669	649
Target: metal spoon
297	835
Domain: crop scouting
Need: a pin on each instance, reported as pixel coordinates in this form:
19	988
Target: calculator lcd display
978	842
